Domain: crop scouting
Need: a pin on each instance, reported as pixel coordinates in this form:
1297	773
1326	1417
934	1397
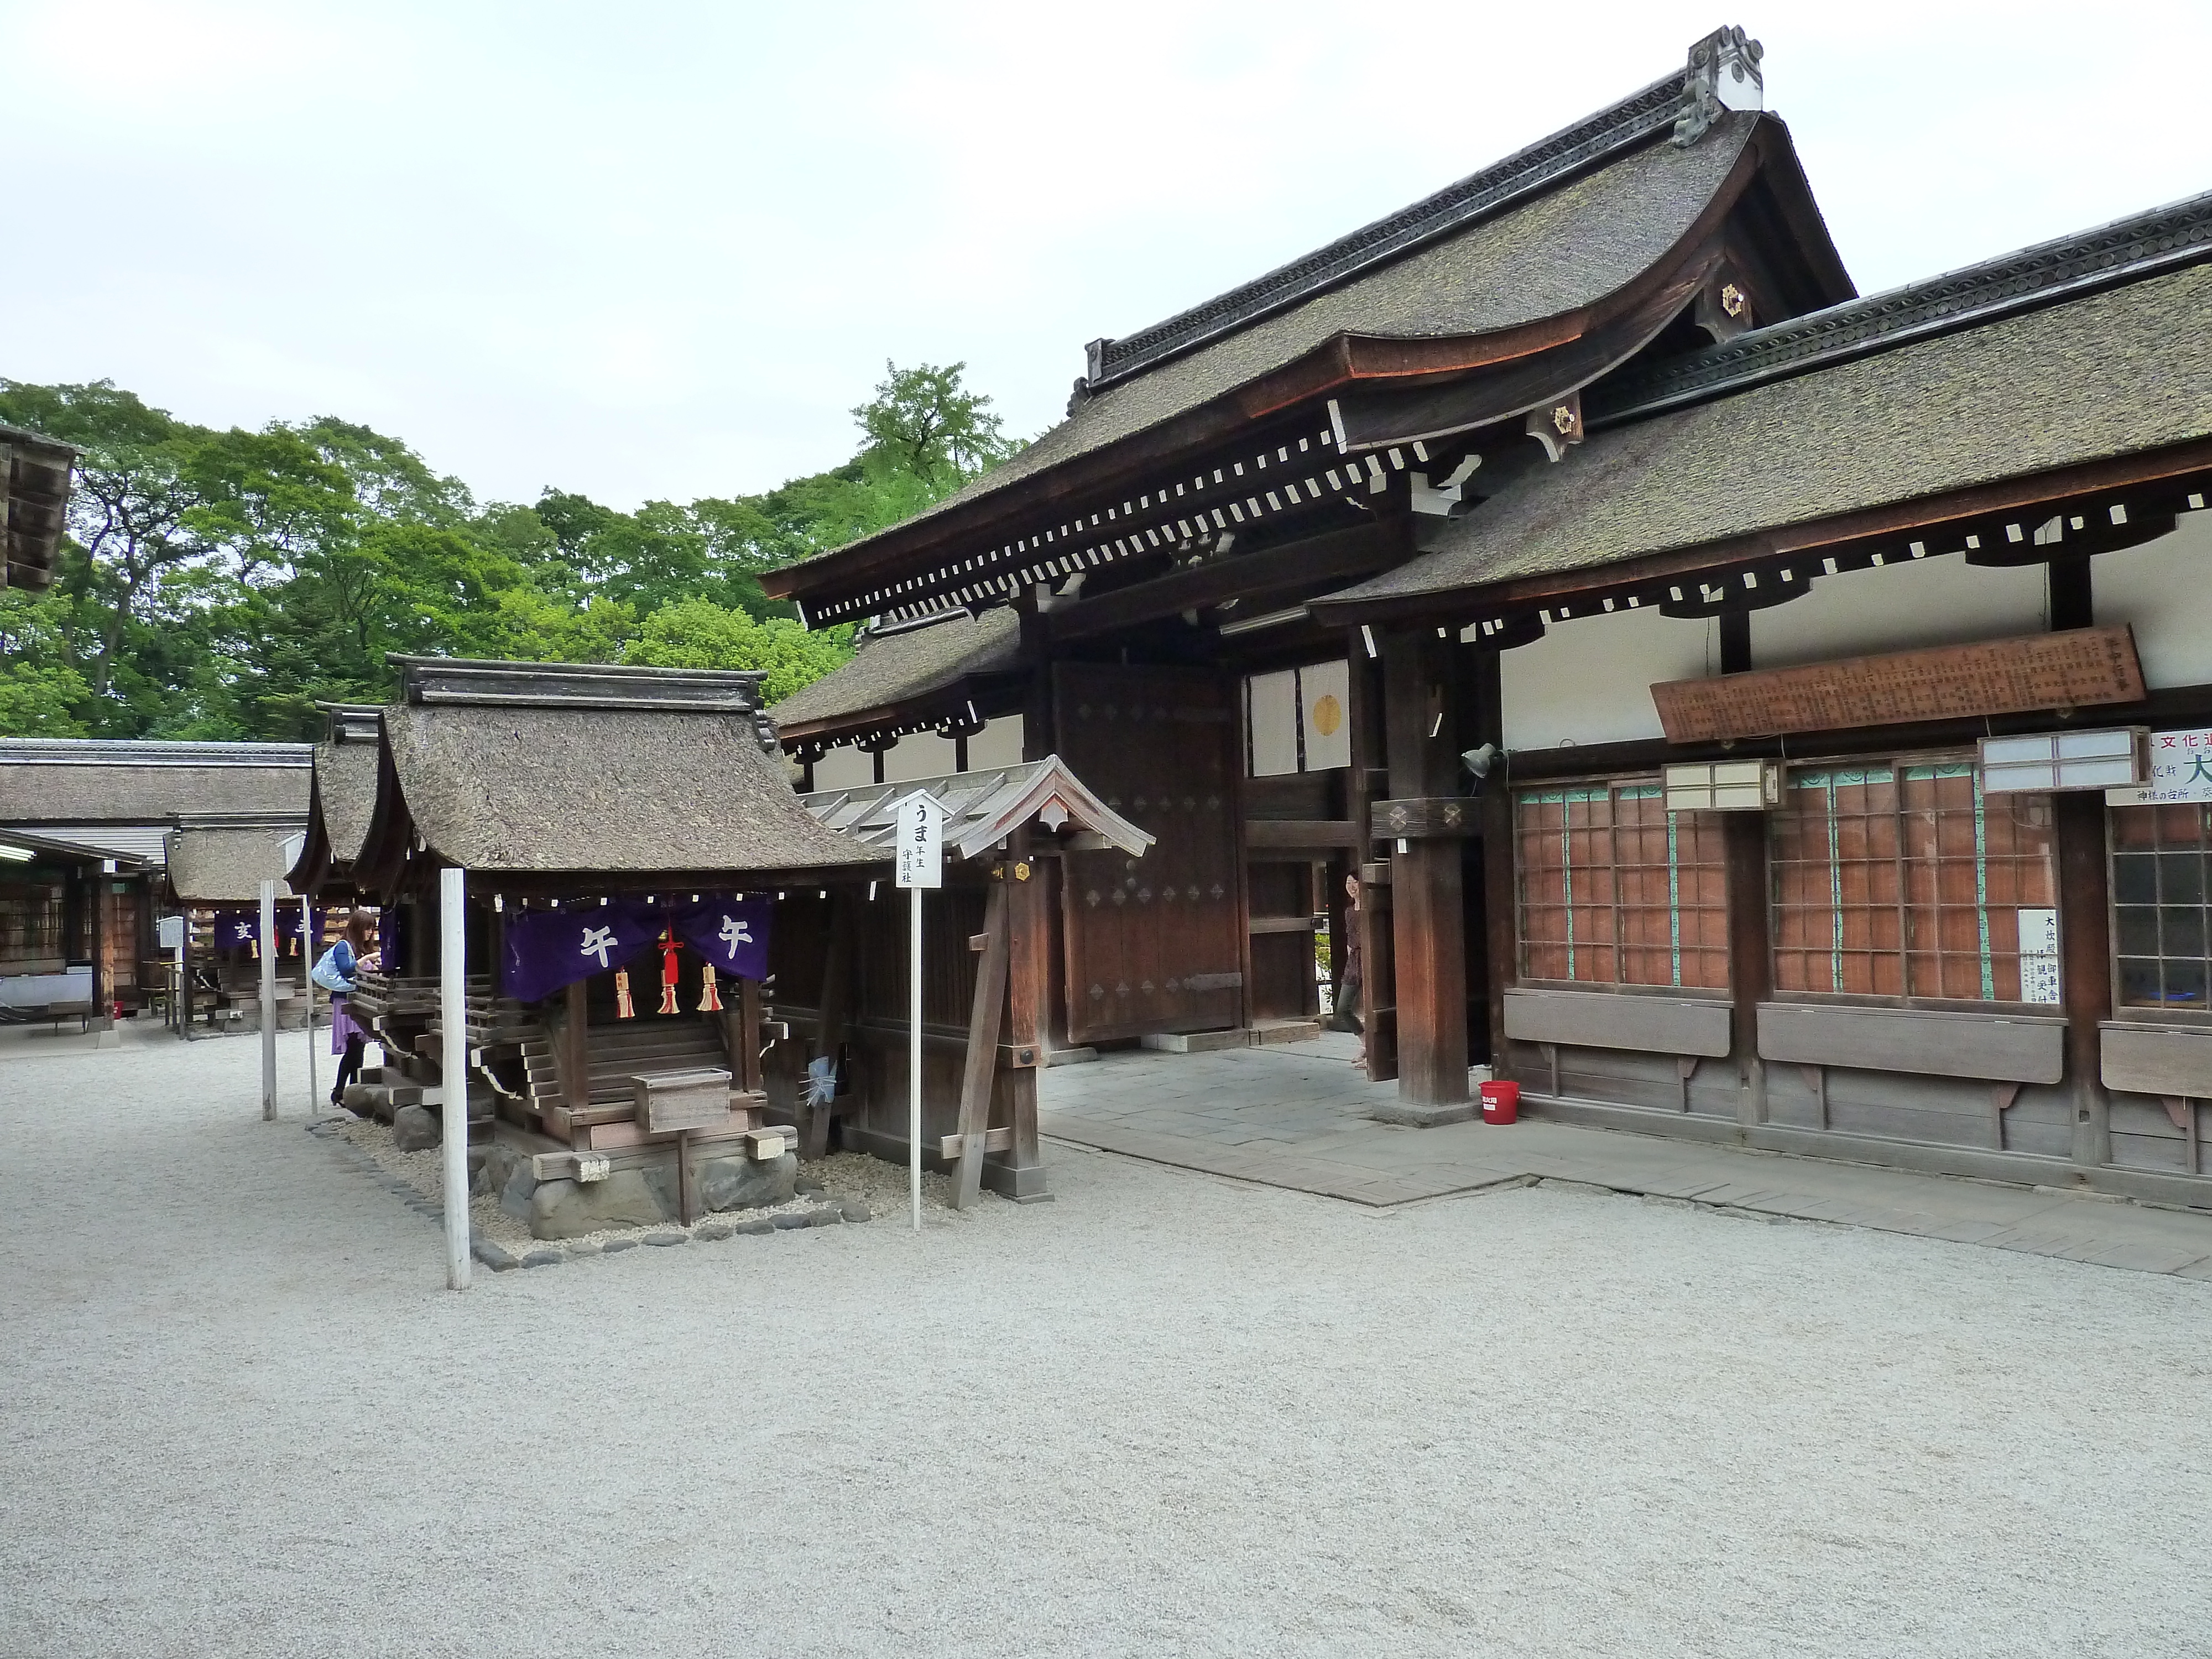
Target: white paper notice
920	842
2180	771
2038	955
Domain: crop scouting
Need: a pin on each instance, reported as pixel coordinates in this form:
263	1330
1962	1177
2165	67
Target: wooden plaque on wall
2075	668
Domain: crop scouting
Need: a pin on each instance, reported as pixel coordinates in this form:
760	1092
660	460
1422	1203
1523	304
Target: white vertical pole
914	1056
308	944
453	1075
269	1001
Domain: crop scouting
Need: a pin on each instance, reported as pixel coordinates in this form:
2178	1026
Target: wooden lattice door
1154	944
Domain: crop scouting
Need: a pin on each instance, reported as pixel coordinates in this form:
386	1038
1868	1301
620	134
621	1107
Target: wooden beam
2085	963
983	1023
1837	533
1301	835
1311	563
576	1048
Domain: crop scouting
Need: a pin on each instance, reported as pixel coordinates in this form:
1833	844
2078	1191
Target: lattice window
1903	880
33	915
1614	890
2161	879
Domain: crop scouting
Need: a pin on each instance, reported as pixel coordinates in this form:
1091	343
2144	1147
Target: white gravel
1167	1414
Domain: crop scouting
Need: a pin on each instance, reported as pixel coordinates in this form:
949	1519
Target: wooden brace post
983	1066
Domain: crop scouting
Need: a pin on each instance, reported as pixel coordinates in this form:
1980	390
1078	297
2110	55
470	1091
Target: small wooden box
669	1101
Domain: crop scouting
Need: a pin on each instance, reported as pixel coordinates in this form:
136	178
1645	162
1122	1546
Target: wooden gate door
1154	944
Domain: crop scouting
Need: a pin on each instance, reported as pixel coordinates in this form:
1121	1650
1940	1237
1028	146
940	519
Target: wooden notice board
2076	668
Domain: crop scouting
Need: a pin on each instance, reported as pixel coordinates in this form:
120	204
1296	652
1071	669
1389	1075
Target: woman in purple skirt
342	962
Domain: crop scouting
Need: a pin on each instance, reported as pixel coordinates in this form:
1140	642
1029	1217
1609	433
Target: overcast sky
660	251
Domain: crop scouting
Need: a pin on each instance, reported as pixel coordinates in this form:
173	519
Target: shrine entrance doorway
1156	944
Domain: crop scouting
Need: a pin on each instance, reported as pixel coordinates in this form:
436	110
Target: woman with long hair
345	960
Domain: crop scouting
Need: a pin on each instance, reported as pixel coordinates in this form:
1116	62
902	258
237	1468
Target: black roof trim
1631	122
2126	251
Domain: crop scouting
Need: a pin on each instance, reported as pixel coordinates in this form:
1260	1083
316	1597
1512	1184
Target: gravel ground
1164	1414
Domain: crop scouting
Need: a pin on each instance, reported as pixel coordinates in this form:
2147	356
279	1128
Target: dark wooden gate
1154	944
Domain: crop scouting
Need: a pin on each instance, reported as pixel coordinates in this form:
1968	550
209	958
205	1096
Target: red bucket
1501	1102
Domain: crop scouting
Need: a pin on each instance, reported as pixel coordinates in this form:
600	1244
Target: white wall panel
1942	600
844	768
999	744
1590	680
2163	589
920	755
1274	723
1325	709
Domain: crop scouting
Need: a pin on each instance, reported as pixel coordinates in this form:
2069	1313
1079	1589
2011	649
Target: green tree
699	634
923	421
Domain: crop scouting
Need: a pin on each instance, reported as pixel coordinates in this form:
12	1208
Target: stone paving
1297	1115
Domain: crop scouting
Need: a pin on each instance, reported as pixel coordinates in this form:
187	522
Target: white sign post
921	865
269	1001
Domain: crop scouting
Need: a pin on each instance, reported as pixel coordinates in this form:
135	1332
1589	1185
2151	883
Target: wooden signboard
2077	668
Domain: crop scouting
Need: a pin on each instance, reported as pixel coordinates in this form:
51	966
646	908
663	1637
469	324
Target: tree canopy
219	584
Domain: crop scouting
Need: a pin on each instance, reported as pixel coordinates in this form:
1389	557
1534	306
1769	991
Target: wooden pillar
1020	1173
2085	966
1751	960
1040	735
1427	897
1750	951
1366	784
830	1033
576	1048
100	902
1501	944
745	1034
986	1020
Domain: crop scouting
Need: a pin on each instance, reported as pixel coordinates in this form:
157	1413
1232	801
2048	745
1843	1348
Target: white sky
660	251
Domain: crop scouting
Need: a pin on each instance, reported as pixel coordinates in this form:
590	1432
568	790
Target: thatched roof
896	668
548	783
227	863
982	809
76	781
2115	373
345	795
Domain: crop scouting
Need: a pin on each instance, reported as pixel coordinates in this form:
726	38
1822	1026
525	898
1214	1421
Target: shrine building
1750	711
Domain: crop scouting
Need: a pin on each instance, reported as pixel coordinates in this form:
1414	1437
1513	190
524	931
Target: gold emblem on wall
1327	713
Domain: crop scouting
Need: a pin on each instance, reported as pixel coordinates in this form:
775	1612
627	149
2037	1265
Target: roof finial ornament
1723	75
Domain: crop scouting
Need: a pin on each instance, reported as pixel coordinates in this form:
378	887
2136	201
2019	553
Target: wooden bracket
1686	1067
980	1073
1816	1079
2001	1096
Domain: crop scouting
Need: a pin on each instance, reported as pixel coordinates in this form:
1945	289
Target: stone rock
583	1247
614	1245
569	1209
360	1098
792	1221
414	1129
759	1224
827	1216
665	1239
515	1190
712	1232
543	1257
807	1185
740	1183
494	1254
853	1209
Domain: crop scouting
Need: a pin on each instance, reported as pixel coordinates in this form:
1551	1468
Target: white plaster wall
2163	590
999	744
920	755
1590	680
844	768
1326	684
1940	600
1274	706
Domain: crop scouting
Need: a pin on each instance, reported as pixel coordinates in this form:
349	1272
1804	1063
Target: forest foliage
219	584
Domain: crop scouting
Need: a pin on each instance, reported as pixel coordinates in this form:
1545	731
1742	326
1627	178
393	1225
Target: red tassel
623	1009
710	1001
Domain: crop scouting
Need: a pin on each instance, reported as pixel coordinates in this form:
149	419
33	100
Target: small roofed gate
1154	944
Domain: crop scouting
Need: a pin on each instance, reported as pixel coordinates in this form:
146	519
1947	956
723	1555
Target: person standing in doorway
1351	988
337	972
